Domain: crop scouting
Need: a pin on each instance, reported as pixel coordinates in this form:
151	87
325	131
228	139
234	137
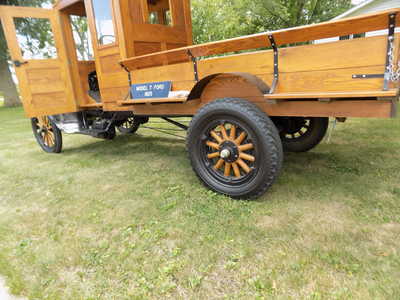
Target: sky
357	1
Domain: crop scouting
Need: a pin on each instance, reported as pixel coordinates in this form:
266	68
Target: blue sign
151	90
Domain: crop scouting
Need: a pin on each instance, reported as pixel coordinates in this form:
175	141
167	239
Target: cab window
159	12
104	23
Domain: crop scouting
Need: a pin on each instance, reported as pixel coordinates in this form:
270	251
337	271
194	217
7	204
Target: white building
365	7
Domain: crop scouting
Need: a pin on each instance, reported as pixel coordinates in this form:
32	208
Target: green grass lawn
128	219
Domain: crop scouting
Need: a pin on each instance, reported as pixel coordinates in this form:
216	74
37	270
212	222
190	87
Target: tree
7	85
219	19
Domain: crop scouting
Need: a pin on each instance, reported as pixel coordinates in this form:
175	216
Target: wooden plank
25	12
90	105
61	4
331	95
348	109
153	100
351	108
365	23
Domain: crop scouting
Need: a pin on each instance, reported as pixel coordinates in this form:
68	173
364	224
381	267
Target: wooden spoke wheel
302	134
234	148
47	134
130	125
230	150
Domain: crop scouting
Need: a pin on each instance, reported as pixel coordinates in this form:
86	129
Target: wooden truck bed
312	75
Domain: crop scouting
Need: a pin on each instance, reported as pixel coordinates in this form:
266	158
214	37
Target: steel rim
45	132
229	152
296	128
129	123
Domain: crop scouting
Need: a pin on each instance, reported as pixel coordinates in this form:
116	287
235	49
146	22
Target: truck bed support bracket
195	68
390	51
129	95
387	76
276	63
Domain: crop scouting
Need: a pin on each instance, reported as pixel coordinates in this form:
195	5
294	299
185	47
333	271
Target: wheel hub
229	151
226	150
225	153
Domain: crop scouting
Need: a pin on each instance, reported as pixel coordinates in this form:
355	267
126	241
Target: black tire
47	134
260	133
129	126
302	134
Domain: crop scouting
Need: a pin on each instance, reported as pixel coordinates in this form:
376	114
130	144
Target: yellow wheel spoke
246	147
212	145
213	155
216	137
219	164
227	171
46	139
223	131
232	133
243	165
241	138
247	156
51	136
40	121
236	170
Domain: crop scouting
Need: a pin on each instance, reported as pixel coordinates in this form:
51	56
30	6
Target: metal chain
393	73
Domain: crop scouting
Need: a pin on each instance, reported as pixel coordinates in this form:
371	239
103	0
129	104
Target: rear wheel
47	134
129	126
110	134
234	148
300	134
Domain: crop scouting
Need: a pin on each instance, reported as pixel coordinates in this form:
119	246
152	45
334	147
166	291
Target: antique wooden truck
246	107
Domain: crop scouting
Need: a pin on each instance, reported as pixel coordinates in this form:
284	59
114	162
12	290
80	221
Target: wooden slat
331	95
351	108
154	100
89	105
365	23
348	109
25	12
61	4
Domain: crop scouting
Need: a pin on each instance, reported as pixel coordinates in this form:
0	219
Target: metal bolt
225	153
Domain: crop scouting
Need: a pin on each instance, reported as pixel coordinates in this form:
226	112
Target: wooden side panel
142	38
343	27
109	63
175	45
348	108
112	77
142	48
326	67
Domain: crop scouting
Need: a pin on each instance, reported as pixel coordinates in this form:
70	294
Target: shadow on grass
346	159
124	147
323	168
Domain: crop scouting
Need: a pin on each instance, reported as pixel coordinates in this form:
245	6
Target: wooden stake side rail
282	96
152	100
332	95
360	24
350	108
91	105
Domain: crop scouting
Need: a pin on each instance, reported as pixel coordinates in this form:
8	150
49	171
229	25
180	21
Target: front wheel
234	148
47	134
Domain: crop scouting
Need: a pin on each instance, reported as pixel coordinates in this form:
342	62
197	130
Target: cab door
38	54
